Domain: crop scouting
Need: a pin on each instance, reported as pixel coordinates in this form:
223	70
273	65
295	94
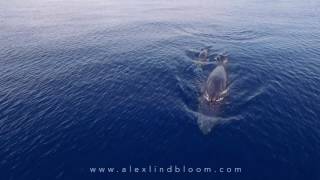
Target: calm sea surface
114	83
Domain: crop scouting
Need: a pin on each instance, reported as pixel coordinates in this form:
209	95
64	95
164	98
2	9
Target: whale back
216	83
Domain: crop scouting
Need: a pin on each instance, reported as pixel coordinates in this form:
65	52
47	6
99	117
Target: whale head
203	55
222	59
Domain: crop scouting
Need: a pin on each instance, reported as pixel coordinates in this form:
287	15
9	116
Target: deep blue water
113	83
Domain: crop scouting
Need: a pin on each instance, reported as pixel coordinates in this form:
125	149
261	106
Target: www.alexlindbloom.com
157	169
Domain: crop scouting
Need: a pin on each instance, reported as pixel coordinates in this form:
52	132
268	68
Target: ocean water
114	83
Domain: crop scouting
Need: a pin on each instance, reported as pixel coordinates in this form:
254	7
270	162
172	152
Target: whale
203	55
216	84
213	91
